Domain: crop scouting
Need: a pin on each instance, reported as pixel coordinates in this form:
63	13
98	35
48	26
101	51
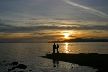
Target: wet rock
4	61
54	66
30	70
11	69
14	63
21	66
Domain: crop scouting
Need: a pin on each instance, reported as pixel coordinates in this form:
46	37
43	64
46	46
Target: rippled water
29	54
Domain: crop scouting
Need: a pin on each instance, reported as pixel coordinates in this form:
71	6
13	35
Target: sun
66	35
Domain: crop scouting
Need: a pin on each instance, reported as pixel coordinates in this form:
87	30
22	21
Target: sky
49	20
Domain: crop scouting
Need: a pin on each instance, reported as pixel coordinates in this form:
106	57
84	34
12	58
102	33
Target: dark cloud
17	40
10	28
53	36
30	39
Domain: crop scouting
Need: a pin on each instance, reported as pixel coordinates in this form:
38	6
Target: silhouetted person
57	48
54	47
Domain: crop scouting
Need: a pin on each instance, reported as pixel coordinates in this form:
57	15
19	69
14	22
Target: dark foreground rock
94	60
16	65
21	66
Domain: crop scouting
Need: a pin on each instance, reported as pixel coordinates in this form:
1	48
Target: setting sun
66	34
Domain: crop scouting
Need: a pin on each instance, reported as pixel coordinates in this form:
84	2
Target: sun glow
66	34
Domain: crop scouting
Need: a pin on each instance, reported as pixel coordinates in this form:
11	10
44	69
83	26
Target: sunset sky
48	20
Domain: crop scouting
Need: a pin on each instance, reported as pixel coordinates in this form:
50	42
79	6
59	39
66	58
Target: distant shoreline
64	41
70	42
81	40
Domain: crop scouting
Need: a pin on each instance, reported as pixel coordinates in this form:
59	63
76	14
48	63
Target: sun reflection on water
66	47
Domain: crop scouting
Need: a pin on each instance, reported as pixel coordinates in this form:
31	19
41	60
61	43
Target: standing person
54	47
57	48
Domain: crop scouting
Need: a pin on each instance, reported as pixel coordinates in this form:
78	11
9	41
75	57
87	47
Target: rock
21	66
13	68
30	70
54	66
14	63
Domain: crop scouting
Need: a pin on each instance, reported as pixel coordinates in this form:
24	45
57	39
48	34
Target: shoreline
94	60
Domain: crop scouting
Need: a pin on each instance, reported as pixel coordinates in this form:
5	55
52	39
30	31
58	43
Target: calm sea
29	55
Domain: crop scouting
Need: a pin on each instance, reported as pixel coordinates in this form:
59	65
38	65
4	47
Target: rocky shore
94	60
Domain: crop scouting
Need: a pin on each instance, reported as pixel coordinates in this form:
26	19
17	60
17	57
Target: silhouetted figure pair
55	47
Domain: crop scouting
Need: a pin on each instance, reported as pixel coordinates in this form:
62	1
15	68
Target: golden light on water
66	47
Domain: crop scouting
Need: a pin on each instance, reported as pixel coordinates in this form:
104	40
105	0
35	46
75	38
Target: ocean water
30	54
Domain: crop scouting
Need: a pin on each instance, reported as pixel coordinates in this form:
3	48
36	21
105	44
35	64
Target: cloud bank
54	25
